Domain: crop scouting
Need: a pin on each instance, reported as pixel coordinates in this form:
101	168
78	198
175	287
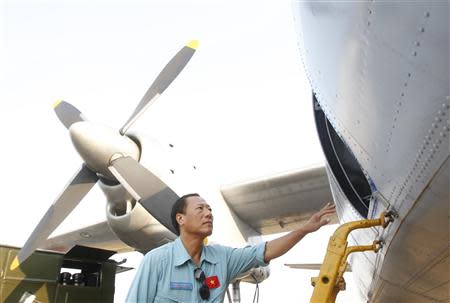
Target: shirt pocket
178	296
162	299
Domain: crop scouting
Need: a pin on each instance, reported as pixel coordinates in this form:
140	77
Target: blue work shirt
167	273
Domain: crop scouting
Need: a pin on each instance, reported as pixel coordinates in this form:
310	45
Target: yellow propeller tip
56	103
15	264
193	44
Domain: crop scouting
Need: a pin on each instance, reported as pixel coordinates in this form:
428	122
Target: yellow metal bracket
330	280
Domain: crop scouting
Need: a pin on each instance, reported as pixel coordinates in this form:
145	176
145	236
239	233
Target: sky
240	109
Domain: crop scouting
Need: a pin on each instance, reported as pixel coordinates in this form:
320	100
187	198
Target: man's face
198	218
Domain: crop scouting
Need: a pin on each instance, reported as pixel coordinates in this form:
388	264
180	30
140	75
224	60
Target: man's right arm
280	246
144	286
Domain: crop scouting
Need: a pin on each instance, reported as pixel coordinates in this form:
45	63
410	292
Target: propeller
109	154
67	113
146	188
78	187
167	75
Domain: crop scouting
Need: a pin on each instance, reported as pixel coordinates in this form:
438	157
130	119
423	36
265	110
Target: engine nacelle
131	222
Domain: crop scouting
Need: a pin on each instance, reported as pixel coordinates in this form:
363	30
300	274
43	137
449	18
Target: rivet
414	53
409	75
368	23
370	11
435	146
428	137
85	234
437	119
402	94
427	14
445	105
434	125
422	29
425	142
417	43
430	131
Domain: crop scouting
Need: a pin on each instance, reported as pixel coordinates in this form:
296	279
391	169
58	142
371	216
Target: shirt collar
181	255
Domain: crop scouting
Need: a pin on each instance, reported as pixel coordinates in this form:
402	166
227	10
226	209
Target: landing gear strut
236	290
330	280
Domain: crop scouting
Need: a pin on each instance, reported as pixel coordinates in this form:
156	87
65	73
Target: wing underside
280	202
98	236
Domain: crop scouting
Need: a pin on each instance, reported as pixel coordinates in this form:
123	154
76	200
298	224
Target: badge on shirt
212	282
181	285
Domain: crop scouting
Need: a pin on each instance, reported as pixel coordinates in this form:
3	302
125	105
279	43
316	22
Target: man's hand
319	219
281	245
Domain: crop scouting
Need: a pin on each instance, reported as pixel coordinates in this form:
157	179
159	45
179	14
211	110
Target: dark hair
179	208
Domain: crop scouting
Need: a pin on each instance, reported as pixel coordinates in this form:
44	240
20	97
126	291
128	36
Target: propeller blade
67	113
146	188
78	187
167	75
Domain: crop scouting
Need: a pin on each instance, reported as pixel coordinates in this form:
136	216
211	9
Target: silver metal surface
279	202
98	144
100	236
380	71
138	229
146	188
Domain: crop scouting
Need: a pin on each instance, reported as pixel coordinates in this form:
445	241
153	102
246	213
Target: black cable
256	295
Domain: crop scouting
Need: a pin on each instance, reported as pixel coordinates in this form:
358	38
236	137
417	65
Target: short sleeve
144	286
243	259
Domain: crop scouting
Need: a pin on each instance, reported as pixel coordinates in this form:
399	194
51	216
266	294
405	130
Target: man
188	271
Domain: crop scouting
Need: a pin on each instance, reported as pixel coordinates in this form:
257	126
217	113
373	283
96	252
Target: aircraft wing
98	236
281	202
272	204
